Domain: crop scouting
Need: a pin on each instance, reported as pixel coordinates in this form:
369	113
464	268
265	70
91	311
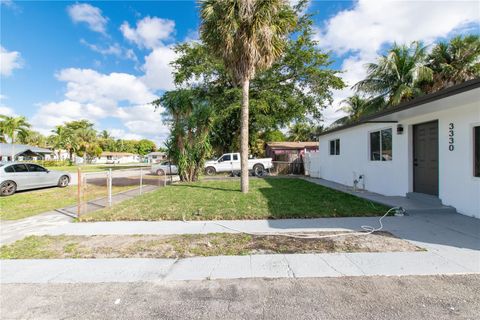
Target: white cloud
106	90
86	13
9	61
95	96
6	111
111	49
150	32
360	33
157	68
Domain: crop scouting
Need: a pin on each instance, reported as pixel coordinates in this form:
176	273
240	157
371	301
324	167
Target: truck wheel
160	172
258	169
7	188
210	171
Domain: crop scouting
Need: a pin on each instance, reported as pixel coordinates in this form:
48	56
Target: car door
40	176
235	162
21	176
225	163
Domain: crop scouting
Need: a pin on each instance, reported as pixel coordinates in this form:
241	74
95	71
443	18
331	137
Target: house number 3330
451	133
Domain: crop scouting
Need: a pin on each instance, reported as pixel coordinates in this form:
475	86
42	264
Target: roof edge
441	94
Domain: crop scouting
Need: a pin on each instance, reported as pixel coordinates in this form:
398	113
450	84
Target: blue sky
105	61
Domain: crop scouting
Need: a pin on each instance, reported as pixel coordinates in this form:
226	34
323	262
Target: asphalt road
419	297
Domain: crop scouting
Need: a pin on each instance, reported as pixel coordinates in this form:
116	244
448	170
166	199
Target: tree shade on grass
271	198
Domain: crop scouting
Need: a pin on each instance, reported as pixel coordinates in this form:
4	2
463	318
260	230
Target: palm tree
12	127
105	135
455	62
249	35
398	76
303	131
64	138
356	107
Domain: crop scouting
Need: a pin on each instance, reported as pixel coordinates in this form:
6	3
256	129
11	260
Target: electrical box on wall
399	129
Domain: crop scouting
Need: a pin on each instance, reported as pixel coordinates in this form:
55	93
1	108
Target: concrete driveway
430	297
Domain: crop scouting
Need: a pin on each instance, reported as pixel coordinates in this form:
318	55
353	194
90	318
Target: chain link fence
102	189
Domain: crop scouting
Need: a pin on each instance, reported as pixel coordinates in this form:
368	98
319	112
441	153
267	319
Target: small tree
190	118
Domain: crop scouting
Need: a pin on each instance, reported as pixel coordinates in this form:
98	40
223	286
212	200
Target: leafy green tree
296	87
397	76
190	117
303	131
145	146
33	138
454	62
357	107
248	35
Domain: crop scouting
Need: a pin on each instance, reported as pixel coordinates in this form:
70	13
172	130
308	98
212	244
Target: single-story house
117	157
22	152
155	157
429	145
287	156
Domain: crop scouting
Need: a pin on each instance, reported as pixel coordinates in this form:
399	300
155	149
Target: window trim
336	147
476	152
379	130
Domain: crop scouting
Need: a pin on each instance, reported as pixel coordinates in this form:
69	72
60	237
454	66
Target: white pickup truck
230	162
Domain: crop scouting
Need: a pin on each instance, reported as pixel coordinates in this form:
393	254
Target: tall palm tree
455	61
397	76
13	127
249	35
64	138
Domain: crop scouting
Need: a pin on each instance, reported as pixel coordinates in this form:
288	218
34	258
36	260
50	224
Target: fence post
141	180
109	187
79	189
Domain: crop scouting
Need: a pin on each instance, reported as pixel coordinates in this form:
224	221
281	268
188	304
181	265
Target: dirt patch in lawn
181	246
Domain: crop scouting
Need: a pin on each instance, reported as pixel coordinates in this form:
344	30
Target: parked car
165	167
230	162
15	176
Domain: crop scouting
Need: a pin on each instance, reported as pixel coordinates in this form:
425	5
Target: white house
155	157
430	145
22	152
117	157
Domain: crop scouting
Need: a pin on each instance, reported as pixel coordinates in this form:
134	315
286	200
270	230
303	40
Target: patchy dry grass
271	198
181	246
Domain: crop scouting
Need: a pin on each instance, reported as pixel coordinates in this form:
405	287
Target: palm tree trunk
244	136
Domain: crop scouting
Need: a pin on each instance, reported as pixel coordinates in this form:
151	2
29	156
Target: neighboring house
288	156
117	157
155	157
430	145
22	152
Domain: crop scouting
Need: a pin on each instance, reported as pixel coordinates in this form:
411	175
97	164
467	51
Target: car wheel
258	169
210	171
63	181
7	188
160	172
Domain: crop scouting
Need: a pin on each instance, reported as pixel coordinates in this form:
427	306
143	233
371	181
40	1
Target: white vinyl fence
312	164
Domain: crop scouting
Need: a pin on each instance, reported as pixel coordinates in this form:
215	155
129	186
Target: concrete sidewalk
452	242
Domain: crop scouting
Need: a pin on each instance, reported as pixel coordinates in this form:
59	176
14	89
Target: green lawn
92	168
28	203
271	198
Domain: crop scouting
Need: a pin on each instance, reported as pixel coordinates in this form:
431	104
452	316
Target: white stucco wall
457	185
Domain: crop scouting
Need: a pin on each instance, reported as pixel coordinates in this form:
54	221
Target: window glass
20	168
337	145
235	157
386	145
332	147
35	168
226	157
9	169
375	146
476	142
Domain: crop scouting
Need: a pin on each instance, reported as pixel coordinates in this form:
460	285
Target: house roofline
445	93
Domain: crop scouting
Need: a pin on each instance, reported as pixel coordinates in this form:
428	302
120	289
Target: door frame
438	154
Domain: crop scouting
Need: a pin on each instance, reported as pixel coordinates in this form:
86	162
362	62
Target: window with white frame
381	145
335	147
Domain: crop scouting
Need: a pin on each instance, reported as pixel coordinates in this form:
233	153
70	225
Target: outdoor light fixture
399	129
